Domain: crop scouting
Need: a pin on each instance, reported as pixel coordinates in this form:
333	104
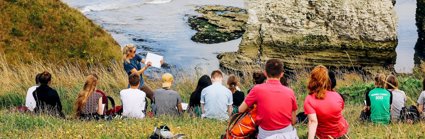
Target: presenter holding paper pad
154	59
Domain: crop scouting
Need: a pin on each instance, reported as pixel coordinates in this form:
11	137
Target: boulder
218	23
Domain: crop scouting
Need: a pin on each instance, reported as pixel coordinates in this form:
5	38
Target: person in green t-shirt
378	101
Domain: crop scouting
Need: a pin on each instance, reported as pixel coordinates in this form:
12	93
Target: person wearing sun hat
166	100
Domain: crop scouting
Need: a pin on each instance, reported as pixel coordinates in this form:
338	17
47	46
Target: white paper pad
103	108
184	106
155	59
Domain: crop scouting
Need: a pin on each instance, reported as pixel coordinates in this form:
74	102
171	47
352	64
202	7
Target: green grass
17	125
49	30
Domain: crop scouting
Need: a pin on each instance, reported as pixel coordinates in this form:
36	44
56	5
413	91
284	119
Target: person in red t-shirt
276	104
324	107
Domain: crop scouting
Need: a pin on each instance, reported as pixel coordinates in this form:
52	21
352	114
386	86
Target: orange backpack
242	125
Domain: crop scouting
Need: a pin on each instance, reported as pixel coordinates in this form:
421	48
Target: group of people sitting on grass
387	103
275	102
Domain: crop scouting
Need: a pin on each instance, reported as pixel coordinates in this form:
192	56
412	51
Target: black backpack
302	118
409	115
365	116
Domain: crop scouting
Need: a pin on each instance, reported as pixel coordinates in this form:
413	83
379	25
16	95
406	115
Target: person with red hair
324	107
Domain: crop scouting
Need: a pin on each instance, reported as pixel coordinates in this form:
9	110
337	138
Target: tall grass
69	79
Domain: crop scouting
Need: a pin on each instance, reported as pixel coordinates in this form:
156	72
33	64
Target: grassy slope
50	30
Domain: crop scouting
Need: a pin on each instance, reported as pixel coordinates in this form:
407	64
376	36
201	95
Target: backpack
365	116
164	132
409	115
242	125
115	110
21	109
302	118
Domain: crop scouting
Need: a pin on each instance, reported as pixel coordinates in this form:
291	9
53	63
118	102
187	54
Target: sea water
160	26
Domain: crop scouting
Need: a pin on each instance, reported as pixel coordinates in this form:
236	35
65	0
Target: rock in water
356	34
218	24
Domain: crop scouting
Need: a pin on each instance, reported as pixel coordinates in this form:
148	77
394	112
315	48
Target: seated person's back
133	99
217	99
379	101
92	104
323	106
238	96
195	97
29	99
276	104
329	114
267	96
167	102
89	102
398	97
421	101
46	98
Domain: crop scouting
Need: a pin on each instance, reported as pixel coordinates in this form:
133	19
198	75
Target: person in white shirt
421	101
29	100
133	99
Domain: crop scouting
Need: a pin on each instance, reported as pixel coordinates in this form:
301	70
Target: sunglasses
132	51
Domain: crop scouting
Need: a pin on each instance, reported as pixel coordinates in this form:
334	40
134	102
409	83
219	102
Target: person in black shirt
195	97
238	96
46	98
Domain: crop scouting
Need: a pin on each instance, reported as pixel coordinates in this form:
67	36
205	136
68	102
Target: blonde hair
88	90
380	80
126	51
319	82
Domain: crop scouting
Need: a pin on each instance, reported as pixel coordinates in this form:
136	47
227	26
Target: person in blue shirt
216	99
132	64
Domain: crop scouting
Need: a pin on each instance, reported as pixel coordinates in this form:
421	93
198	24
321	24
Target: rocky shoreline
217	23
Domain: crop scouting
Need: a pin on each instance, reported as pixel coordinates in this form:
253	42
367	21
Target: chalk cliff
303	33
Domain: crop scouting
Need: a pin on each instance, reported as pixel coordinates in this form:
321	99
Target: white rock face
373	20
330	32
